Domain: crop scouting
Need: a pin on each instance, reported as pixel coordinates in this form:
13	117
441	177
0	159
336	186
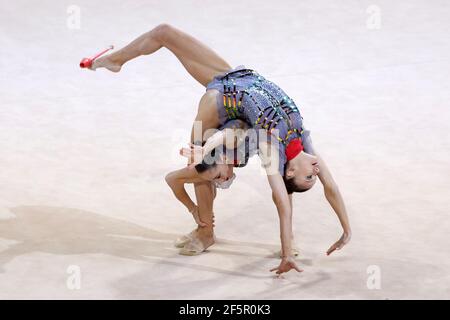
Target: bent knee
169	178
162	31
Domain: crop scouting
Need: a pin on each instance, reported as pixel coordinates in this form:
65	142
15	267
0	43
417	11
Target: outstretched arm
284	208
269	158
281	200
176	180
336	201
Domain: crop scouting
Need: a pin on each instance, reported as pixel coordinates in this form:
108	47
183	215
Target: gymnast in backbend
291	163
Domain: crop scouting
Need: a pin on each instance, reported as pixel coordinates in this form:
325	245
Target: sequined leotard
246	95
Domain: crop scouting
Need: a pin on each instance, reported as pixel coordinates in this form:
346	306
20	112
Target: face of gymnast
218	172
301	172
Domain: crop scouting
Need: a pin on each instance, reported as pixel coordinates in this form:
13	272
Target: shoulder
307	142
271	154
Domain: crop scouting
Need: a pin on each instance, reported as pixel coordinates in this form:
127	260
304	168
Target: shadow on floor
65	231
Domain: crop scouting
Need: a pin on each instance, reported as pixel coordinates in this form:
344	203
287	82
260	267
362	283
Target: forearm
213	142
334	198
285	232
230	137
285	216
180	193
284	208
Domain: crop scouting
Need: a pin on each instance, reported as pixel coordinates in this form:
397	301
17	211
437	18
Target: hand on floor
345	238
286	265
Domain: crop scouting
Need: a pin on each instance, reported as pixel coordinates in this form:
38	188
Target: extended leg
200	61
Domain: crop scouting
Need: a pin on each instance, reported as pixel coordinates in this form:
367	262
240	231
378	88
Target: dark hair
204	166
291	187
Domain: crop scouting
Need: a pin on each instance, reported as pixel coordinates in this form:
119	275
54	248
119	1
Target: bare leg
200	61
203	64
205	192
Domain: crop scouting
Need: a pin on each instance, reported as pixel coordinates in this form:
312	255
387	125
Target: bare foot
106	62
